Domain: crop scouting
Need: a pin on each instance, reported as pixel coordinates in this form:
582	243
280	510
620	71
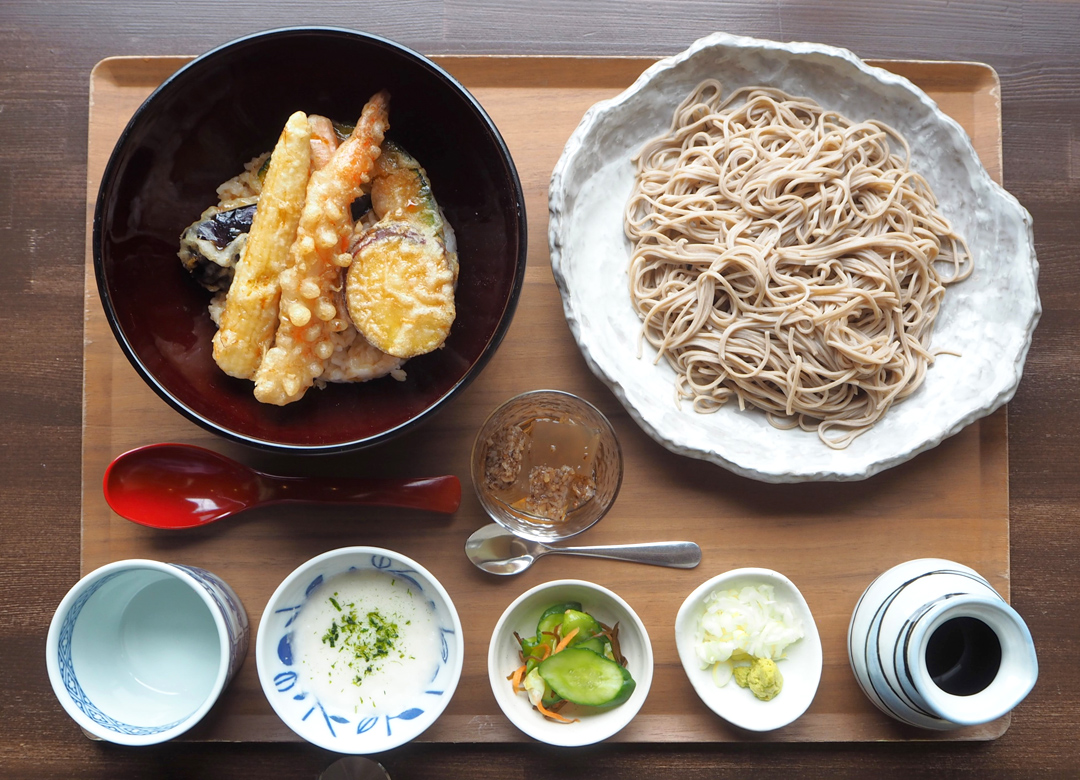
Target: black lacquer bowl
199	128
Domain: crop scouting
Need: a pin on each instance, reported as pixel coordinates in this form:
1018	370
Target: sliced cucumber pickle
584	622
550	698
553	616
582	676
533	651
566	621
597	644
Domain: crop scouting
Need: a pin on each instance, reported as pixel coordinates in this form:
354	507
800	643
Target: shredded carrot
516	677
553	715
566	640
547	652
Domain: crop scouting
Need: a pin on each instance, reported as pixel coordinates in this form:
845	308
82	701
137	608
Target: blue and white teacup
138	651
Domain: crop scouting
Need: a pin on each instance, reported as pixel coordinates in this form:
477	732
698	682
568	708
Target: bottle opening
963	656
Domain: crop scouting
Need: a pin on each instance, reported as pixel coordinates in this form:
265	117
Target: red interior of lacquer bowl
199	129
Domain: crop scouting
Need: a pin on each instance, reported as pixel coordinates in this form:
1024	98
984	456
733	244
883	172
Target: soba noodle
786	255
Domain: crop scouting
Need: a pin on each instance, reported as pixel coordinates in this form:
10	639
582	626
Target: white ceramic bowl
801	668
363	727
138	650
988	319
594	724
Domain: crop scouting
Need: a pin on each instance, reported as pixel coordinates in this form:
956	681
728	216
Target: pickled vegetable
573	659
583	677
554	626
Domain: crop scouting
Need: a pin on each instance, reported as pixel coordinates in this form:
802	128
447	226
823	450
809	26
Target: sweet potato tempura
400	286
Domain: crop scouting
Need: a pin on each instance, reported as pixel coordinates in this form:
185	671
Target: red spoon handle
432	494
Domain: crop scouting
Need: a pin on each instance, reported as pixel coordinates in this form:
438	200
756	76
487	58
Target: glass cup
607	464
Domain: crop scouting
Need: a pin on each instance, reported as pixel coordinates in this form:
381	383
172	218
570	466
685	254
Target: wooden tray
830	539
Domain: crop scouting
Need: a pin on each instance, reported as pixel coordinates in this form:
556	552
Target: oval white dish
801	668
988	319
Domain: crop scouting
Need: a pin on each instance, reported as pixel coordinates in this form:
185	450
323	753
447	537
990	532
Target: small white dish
361	727
801	668
594	724
138	650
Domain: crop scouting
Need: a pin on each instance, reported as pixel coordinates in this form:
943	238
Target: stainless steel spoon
496	550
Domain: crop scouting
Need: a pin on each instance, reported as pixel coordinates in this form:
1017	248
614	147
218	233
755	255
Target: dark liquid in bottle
963	656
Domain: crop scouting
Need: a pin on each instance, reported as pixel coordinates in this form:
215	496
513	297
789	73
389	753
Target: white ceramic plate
801	669
594	724
988	319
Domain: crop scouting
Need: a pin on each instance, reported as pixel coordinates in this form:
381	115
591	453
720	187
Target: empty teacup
138	651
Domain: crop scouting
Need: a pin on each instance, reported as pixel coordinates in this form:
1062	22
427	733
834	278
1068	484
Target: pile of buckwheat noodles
786	255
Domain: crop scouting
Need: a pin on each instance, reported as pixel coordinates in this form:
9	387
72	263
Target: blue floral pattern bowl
364	726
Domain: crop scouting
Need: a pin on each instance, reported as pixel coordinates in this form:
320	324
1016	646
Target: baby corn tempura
250	317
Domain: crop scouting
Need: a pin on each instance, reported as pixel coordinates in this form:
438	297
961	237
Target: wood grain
831	539
48	52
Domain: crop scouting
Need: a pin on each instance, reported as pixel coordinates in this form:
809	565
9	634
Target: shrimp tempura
309	310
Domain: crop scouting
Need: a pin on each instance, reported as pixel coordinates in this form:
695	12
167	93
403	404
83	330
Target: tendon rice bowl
198	130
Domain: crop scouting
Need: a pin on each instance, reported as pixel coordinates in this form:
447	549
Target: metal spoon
496	550
181	486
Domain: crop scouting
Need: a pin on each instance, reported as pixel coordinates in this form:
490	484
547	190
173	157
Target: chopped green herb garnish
364	641
332	635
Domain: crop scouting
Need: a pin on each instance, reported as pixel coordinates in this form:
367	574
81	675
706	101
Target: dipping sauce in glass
544	467
364	638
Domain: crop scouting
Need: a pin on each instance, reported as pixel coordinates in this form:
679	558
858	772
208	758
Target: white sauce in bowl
365	638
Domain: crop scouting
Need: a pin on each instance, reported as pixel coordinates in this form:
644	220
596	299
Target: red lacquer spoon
181	486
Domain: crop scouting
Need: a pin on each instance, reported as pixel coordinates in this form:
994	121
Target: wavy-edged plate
988	319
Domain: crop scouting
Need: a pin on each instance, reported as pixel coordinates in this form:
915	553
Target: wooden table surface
46	53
